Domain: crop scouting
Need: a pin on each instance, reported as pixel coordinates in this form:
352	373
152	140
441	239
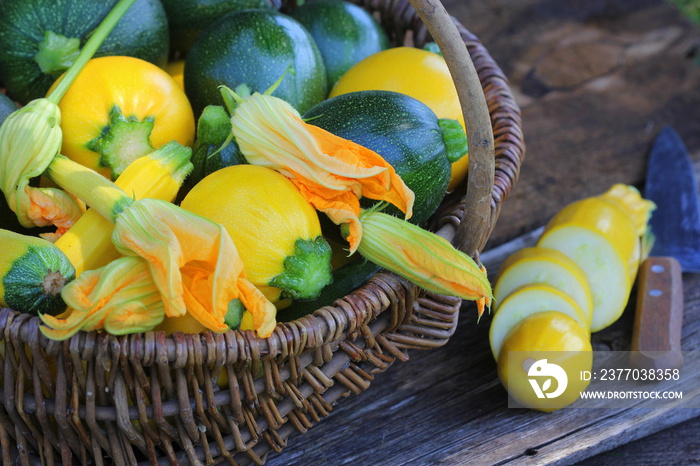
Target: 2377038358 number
638	374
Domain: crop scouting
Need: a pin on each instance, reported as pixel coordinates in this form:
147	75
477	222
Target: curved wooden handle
475	225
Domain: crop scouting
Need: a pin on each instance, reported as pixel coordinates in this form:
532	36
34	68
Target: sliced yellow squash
534	355
547	266
602	239
526	301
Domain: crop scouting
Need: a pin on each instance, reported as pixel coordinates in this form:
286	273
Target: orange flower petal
385	186
263	311
51	206
193	261
120	297
170	238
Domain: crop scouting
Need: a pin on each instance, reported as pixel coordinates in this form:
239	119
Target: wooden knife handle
656	336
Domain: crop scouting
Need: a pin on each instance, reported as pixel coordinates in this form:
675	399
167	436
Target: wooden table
595	80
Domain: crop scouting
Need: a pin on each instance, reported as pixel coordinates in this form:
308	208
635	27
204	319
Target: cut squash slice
547	266
556	337
526	301
601	238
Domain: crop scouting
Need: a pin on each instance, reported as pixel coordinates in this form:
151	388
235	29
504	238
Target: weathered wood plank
584	134
595	80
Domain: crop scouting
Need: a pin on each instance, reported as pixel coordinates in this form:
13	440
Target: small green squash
33	272
188	18
211	150
249	51
344	33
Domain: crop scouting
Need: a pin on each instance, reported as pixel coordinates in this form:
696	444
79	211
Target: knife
675	225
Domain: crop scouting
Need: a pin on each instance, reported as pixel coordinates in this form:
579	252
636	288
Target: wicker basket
149	398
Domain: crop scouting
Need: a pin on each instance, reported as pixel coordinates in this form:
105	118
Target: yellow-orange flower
30	138
423	258
193	261
332	173
119	297
51	206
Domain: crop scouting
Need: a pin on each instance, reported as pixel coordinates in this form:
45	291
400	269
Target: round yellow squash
276	231
119	109
418	73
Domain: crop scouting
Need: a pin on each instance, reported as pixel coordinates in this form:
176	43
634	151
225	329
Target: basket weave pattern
151	398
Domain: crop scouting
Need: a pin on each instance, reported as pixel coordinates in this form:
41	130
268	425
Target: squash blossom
120	297
43	210
193	261
332	173
30	138
423	258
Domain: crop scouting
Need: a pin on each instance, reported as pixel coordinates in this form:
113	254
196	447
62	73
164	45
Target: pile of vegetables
577	280
229	187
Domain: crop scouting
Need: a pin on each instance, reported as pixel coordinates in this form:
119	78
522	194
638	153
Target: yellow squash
602	239
276	231
418	73
527	301
546	353
119	109
541	265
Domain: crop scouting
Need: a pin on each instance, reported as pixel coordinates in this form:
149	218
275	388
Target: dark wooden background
596	80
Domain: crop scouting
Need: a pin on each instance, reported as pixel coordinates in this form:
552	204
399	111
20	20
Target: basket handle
475	225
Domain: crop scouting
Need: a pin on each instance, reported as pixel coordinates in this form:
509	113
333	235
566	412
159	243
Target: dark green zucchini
249	51
187	18
39	39
344	33
33	272
405	132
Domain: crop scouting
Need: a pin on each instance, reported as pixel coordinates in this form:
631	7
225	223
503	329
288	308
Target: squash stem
97	191
307	271
455	139
94	42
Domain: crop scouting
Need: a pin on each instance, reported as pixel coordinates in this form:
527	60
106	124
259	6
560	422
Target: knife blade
675	226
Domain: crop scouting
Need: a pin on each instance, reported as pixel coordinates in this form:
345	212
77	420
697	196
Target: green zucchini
33	272
39	39
187	18
346	279
405	132
344	33
250	50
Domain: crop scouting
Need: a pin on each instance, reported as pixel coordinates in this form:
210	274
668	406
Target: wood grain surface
596	80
